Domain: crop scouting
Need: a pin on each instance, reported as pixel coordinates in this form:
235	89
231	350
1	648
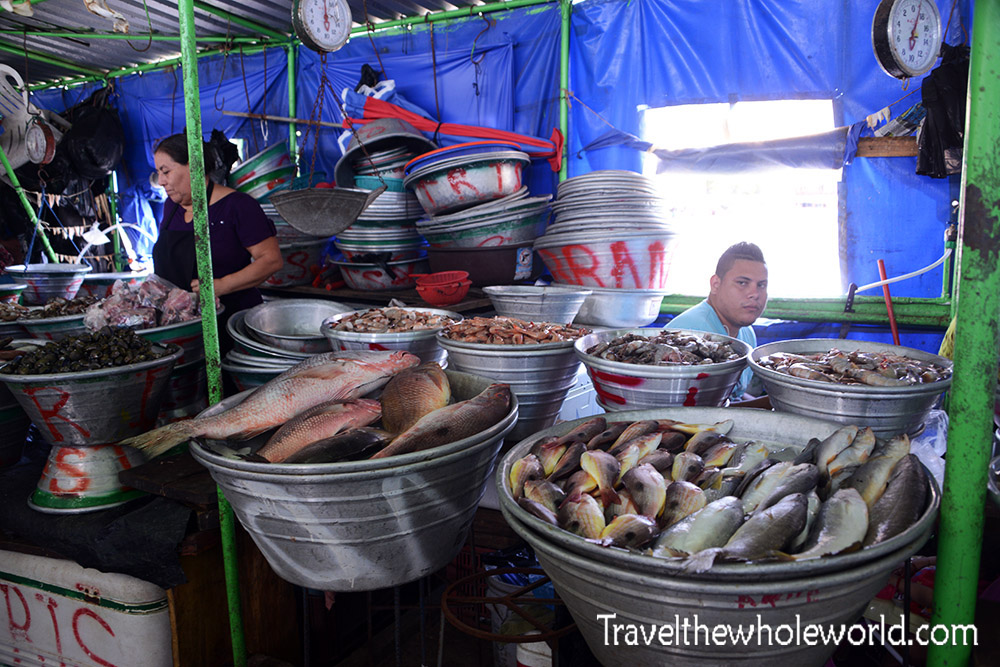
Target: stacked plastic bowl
479	213
267	172
274	336
612	235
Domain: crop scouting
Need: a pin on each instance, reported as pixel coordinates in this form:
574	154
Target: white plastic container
56	612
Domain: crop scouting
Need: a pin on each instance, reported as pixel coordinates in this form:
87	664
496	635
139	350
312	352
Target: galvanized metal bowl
95	407
457	183
611	307
504	229
540	375
54	328
642	589
621	386
422	343
293	324
993	480
632	260
251	346
362	525
47	281
537	303
299	257
888	410
11	292
373	278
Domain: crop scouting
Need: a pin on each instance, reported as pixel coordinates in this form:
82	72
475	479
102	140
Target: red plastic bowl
440	278
444	294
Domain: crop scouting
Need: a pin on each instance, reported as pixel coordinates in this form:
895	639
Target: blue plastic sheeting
517	77
671	52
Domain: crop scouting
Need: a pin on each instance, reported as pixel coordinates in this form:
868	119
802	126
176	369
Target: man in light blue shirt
738	294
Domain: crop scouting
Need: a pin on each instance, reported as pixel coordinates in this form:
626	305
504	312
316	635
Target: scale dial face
39	142
906	36
322	25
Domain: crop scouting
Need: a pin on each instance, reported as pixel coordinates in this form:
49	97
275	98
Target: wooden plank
887	147
177	477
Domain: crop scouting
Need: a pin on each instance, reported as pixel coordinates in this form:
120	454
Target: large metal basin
622	386
643	589
95	407
422	343
54	328
632	260
888	410
299	258
362	525
293	324
451	185
540	375
47	281
611	307
537	303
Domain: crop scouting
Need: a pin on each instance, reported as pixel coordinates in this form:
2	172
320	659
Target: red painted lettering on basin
458	179
374	346
68	460
144	420
83	611
16	629
623	380
578	270
701	376
690	400
52	413
658	262
622	259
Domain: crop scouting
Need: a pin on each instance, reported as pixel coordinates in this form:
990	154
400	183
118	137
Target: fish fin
250	433
161	440
702	561
609	497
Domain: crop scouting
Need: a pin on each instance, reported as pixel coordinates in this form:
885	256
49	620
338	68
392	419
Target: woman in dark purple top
243	240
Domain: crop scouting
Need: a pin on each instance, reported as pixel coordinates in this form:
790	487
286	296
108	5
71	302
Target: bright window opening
791	213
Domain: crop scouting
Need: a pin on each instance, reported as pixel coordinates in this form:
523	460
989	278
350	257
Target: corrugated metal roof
84	53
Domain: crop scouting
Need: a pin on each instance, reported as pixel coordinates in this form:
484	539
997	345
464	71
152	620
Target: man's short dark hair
741	250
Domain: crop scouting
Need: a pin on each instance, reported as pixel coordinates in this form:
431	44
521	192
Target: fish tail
161	440
701	561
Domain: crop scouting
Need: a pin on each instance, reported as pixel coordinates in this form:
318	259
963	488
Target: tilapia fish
317	423
451	423
318	379
413	393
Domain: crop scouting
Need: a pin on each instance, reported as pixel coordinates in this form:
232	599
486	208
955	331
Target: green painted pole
975	374
27	207
196	160
112	193
567	12
49	60
293	144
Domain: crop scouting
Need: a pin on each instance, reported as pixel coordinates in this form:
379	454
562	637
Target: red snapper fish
318	423
321	378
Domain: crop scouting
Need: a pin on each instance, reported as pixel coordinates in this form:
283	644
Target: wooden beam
887	147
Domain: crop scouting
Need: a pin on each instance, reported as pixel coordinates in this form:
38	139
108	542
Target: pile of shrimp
511	331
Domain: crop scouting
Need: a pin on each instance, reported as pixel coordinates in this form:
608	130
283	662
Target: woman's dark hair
176	146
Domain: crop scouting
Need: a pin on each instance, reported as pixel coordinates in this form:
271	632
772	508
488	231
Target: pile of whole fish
688	491
392	320
12	311
877	369
321	417
502	330
667	348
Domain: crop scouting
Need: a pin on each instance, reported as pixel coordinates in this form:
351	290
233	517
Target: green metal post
49	60
196	160
27	207
975	373
293	144
474	10
567	11
112	193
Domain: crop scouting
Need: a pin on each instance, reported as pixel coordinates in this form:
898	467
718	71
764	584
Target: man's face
739	296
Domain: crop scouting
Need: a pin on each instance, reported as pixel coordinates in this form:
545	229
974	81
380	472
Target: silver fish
872	477
569	462
687	467
762	487
539	510
840	527
646	443
800	478
682	498
859	451
833	445
812	512
634	430
661	459
628	530
701	442
358	442
647	489
902	502
709	527
607	437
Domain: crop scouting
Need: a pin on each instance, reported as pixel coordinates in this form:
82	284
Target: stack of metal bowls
888	410
611	307
392	210
88	410
623	386
537	303
511	219
48	281
269	171
254	361
611	232
54	328
362	525
422	342
540	375
11	292
388	244
639	590
292	324
300	252
378	148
